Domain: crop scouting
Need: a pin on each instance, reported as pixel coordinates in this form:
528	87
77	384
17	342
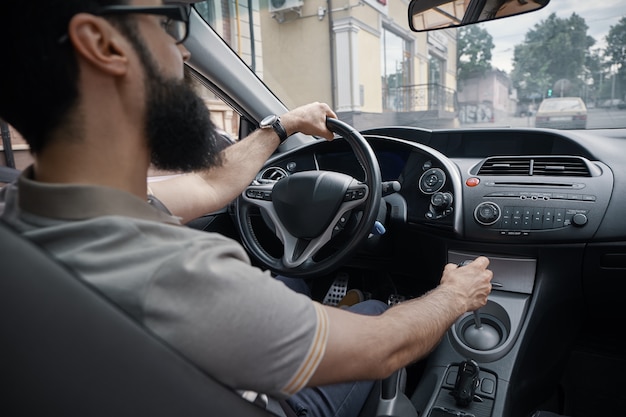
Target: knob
441	201
579	219
487	213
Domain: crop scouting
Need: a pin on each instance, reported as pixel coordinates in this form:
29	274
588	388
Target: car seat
68	351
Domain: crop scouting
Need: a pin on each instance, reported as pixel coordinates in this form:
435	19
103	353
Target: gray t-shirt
196	290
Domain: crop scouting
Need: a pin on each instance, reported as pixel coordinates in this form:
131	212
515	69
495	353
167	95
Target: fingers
310	119
325	111
481	262
483	280
473	280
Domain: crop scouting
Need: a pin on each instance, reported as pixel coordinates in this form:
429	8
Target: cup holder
488	333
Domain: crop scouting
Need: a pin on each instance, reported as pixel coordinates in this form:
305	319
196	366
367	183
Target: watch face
268	121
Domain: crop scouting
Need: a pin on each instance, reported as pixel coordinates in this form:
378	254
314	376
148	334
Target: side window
14	151
226	119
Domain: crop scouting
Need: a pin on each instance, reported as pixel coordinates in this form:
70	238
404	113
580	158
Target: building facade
357	55
486	97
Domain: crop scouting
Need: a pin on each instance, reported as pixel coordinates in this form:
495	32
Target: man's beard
181	135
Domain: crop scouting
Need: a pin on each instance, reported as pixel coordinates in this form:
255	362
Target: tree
597	70
474	48
554	49
616	51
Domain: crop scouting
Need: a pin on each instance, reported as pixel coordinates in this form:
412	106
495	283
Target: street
596	119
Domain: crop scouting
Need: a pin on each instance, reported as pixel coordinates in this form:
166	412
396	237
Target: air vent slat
547	166
505	166
272	174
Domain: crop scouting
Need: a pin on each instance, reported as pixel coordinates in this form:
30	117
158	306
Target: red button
472	182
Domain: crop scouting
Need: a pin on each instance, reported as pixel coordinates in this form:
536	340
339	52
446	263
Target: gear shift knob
477	321
478	336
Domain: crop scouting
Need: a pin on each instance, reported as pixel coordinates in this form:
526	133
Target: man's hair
39	69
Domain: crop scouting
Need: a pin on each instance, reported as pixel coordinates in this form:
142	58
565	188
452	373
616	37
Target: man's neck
111	163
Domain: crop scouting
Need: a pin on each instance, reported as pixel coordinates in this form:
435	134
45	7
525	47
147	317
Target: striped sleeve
314	355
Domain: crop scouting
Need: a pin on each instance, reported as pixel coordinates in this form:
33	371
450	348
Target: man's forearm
382	344
405	332
242	161
192	195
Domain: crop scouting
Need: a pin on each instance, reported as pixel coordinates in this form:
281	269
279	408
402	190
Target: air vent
271	174
505	166
553	166
566	167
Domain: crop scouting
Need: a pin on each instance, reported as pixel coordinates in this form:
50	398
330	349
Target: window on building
396	71
217	15
436	81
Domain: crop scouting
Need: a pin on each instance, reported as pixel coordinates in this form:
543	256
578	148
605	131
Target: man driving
96	87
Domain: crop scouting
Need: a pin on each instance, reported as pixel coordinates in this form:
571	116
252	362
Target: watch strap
280	130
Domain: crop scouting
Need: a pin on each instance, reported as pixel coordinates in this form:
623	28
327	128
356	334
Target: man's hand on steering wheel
308	208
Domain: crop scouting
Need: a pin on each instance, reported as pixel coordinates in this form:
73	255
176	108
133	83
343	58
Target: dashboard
545	206
487	185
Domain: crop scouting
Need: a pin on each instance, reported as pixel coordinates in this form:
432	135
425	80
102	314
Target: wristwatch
273	121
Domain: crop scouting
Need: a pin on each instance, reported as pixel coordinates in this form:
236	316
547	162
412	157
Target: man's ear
98	42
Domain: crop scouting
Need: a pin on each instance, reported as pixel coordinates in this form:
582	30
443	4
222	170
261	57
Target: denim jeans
338	400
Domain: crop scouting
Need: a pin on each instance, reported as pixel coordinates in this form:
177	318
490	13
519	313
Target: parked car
546	206
562	113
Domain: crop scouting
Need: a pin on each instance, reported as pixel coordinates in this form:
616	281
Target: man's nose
184	52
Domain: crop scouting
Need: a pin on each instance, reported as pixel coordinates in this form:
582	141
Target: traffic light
549	92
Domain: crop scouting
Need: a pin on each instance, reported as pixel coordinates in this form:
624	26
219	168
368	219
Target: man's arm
192	195
362	347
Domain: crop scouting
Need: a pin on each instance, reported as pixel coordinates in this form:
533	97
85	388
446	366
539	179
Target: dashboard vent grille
271	174
562	166
506	166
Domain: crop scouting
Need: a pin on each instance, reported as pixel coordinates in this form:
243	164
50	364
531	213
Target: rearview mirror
427	15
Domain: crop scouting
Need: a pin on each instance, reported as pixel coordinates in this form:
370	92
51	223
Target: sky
509	32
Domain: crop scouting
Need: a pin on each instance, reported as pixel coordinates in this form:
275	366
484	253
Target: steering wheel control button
487	213
342	222
432	181
259	194
353	194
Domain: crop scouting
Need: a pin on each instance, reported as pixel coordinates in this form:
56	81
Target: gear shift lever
479	336
477	321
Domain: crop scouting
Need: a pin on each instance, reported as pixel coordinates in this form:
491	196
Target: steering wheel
307	209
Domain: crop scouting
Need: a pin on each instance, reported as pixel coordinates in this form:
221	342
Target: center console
566	201
468	373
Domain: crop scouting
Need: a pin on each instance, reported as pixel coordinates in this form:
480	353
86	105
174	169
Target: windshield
361	57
